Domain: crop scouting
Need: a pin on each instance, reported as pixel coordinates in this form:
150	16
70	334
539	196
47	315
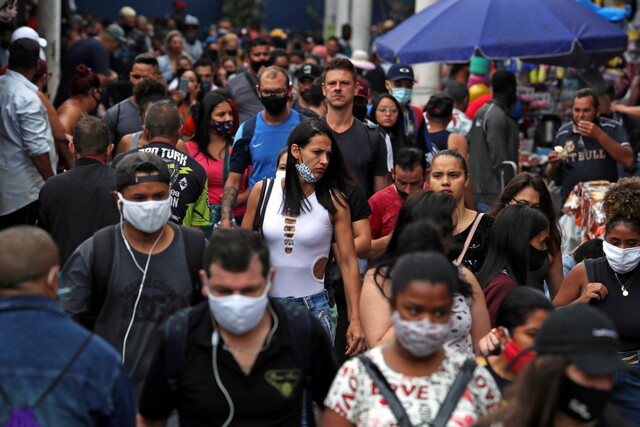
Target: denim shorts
318	306
627	389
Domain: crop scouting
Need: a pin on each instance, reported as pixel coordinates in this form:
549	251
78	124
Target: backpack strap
299	322
265	193
373	135
385	390
588	267
101	263
176	331
455	393
194	245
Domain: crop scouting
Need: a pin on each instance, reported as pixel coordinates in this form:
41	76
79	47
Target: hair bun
82	70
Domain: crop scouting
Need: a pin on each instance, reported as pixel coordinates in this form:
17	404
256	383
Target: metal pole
343	15
361	23
329	18
49	16
427	74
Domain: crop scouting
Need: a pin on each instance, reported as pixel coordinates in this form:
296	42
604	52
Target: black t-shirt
358	203
477	250
271	395
365	153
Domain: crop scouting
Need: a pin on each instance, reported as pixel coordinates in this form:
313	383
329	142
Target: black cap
308	70
141	161
440	106
585	335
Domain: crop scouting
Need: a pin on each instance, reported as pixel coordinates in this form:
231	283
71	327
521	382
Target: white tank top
295	251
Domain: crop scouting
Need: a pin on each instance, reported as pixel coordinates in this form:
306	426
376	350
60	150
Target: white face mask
280	174
238	314
421	337
621	260
149	216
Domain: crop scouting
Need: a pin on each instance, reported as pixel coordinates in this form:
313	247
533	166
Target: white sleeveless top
308	239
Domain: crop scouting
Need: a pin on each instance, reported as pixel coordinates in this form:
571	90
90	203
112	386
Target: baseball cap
360	59
180	4
127	11
116	31
585	335
140	161
278	32
363	92
308	70
440	105
400	71
191	20
30	33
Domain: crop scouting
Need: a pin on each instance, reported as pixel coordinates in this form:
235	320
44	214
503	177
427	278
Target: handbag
265	193
448	405
467	242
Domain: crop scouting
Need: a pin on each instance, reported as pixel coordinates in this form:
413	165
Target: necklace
624	288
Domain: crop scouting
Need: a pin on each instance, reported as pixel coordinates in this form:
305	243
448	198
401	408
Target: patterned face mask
305	173
422	337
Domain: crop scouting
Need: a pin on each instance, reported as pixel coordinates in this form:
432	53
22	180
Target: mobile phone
183	84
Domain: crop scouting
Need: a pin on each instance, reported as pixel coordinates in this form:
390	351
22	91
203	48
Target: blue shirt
37	340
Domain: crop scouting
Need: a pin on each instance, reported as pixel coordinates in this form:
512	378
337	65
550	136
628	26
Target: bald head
27	254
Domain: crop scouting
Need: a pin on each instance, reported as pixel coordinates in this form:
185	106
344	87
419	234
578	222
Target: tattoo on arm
229	197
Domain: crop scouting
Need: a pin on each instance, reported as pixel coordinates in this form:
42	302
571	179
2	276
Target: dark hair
83	81
457	90
508	248
452	153
149	87
519	304
315	93
203	62
430	267
588	92
23	54
340	64
503	81
209	103
91	136
519	183
399	139
147	59
590	249
408	158
297	52
333	180
621	203
235	249
277	53
282	152
258	41
162	119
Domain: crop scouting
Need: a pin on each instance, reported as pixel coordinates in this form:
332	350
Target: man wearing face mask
243	86
305	75
408	175
260	139
263	362
155	265
493	140
399	83
191	44
37	342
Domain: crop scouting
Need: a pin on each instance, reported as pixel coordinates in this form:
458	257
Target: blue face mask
305	172
401	94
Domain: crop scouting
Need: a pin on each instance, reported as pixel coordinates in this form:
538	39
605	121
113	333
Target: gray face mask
305	173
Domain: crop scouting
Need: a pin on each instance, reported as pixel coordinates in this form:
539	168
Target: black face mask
206	87
231	52
359	112
190	37
274	105
255	66
582	403
536	258
212	55
126	28
401	193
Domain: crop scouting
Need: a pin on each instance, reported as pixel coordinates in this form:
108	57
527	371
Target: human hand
355	339
225	224
554	157
590	129
595	291
489	342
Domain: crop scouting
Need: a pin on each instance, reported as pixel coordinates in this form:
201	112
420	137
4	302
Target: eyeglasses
526	203
384	109
277	92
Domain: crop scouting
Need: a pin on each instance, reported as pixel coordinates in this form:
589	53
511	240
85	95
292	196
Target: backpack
373	132
25	417
102	260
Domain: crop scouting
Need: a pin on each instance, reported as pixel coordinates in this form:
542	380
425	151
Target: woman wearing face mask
612	285
168	63
386	112
416	364
517	245
470	321
211	147
228	48
569	382
449	174
188	102
85	95
529	189
302	213
519	319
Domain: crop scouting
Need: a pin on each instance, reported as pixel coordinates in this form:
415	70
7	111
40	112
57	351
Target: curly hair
621	203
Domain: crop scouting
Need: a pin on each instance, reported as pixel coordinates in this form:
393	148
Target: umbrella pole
427	74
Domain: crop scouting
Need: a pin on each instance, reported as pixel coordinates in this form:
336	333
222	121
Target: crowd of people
202	232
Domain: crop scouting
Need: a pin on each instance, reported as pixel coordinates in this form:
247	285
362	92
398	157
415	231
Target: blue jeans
318	306
627	389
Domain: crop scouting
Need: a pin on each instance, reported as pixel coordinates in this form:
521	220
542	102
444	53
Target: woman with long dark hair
212	147
529	189
303	212
386	112
471	320
518	244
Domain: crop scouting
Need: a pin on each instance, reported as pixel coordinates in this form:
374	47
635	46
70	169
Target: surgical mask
206	87
359	112
621	260
149	216
281	174
305	173
274	105
582	403
421	338
401	94
222	128
536	258
515	356
238	314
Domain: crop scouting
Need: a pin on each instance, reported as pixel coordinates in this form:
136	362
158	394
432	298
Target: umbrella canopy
555	32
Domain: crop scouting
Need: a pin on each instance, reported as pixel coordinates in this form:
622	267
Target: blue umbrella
555	32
